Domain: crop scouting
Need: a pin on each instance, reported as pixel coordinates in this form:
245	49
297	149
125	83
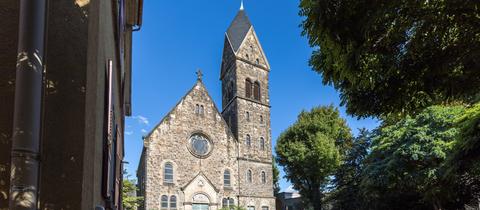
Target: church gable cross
199	74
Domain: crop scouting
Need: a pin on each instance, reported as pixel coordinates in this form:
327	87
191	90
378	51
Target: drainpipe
28	105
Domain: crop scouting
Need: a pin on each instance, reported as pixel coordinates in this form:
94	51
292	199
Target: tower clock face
200	145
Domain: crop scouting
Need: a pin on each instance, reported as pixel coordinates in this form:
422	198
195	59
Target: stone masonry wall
256	188
169	141
248	68
256	124
258	202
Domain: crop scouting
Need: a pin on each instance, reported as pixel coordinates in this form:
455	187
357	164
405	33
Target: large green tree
311	150
398	56
406	166
346	195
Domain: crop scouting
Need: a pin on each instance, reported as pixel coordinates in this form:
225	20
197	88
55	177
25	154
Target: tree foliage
398	56
232	208
275	176
406	166
310	151
464	164
348	176
129	199
468	144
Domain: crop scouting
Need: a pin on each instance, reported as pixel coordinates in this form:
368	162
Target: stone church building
202	158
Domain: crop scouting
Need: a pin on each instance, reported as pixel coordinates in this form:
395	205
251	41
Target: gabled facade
199	157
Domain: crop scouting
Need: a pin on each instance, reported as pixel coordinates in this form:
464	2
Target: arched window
248	141
262	143
248	116
201	109
173	202
226	178
257	61
261	119
227	202
264	177
197	109
168	173
256	90
248	88
246	56
164	202
249	176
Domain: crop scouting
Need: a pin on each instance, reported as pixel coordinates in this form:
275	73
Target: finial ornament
199	74
241	5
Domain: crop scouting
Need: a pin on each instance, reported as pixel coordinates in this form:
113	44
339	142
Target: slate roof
238	29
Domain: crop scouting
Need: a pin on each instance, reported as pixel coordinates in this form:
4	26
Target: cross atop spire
241	5
199	74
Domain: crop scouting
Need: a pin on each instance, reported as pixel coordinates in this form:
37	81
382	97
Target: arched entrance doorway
200	202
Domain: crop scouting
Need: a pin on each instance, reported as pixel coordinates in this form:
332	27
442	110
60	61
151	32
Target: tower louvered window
256	90
248	88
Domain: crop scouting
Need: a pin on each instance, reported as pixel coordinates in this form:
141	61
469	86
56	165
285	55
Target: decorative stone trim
251	160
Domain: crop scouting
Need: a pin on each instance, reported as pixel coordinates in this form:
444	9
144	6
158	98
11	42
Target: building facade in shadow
64	93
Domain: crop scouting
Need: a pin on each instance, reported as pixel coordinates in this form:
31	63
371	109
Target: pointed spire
238	28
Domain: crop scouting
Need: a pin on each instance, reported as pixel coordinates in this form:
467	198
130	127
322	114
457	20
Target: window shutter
109	134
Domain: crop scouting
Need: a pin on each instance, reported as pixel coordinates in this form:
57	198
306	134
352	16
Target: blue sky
180	36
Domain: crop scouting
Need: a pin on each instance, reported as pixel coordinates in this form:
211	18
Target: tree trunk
316	198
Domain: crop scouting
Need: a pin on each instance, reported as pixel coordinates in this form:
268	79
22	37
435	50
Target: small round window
200	145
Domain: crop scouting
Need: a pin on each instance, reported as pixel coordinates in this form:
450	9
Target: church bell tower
246	105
